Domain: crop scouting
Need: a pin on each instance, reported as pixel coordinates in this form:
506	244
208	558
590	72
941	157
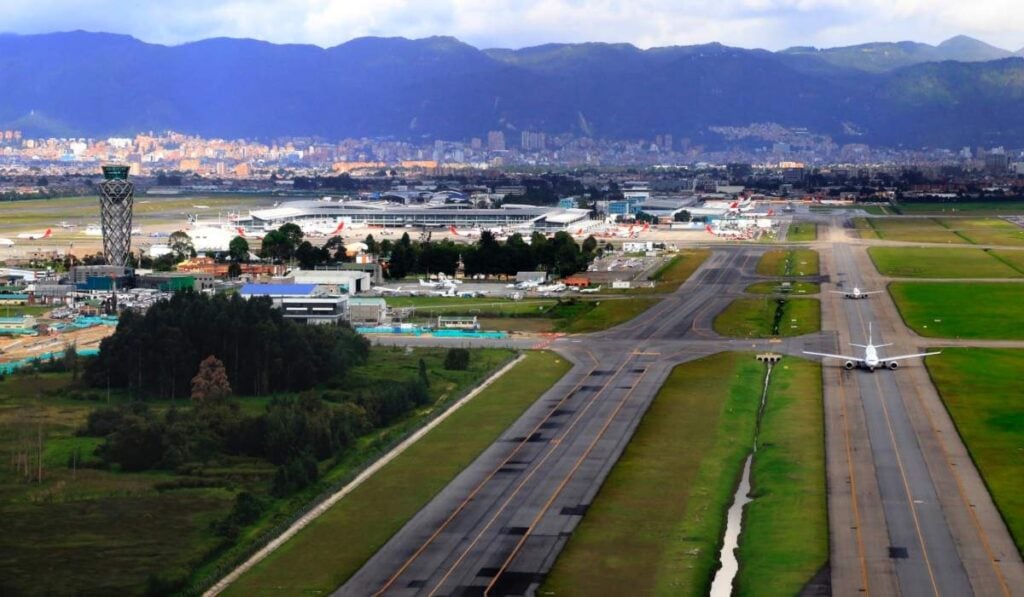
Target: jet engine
892	365
849	365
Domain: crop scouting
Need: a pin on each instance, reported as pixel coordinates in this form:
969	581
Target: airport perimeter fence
376	453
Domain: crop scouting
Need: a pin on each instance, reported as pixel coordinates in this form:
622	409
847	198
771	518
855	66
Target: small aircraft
392	291
471	233
6	242
856	293
590	290
36	235
871	360
558	287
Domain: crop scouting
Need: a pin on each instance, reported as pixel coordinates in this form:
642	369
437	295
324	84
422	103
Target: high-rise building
496	141
117	194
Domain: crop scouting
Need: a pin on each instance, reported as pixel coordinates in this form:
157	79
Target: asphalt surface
498	527
908	512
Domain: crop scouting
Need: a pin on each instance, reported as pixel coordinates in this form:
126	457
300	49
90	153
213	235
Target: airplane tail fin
858	345
710	231
341	226
881	345
49	231
453	230
241	231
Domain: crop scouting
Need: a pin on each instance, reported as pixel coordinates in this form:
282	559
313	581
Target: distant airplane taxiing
871	360
6	242
36	235
590	290
856	293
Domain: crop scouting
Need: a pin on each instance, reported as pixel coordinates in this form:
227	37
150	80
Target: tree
211	383
181	245
234	270
457	359
238	250
682	216
424	379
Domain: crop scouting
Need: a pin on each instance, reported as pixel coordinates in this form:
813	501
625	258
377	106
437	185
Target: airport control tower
116	197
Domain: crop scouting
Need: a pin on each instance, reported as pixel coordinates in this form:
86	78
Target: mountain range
960	92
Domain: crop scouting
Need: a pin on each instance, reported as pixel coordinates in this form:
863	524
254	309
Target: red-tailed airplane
36	235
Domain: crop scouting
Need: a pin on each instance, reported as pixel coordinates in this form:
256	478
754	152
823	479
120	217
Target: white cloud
771	24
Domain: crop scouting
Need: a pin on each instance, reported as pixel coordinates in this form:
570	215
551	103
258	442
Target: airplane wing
874	292
904	357
837	292
834	356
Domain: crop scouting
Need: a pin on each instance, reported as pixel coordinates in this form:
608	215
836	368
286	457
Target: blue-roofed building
301	302
567	203
278	291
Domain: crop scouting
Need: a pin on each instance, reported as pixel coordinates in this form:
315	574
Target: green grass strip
785	529
331	549
656	526
984	393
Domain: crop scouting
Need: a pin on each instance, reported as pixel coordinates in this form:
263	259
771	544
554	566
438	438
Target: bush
457	359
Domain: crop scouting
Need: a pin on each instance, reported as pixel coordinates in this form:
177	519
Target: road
498	527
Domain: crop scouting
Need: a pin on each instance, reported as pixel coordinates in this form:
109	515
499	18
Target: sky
769	24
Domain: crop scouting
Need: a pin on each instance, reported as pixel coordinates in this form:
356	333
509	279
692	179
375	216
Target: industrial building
389	215
305	303
335	281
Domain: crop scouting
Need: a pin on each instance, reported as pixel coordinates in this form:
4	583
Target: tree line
157	354
560	255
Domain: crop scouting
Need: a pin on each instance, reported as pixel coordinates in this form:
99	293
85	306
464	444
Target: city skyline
768	24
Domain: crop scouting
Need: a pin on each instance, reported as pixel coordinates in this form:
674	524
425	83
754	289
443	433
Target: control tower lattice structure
117	194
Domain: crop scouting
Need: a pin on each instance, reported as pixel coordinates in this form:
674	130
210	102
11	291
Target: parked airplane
470	233
93	230
256	235
6	242
590	290
856	293
558	287
385	290
36	235
66	226
327	229
871	360
728	233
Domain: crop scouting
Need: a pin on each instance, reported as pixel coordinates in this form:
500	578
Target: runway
499	526
908	513
901	520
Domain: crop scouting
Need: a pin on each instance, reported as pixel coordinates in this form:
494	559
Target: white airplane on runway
590	290
6	242
871	360
36	235
856	293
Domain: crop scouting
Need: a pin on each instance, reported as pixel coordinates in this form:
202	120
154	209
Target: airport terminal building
389	215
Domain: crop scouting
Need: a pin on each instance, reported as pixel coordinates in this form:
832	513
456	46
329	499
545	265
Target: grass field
785	534
755	317
677	270
802	232
18	310
973	208
986	231
988	411
114	530
962	310
773	288
148	209
656	526
788	262
917	262
324	554
919	230
606	313
570	315
864	228
1014	259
